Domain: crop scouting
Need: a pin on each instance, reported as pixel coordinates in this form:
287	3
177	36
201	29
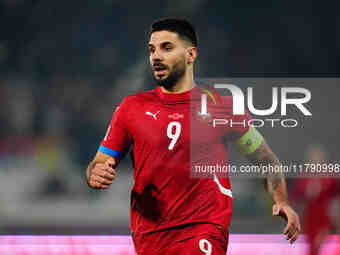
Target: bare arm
275	184
100	173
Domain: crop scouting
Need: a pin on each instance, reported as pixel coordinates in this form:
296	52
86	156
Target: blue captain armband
249	142
112	153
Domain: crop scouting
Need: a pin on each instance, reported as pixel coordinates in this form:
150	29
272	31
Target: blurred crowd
66	113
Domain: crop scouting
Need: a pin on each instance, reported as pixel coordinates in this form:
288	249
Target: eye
151	50
168	48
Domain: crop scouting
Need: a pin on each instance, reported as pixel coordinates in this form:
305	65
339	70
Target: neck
186	83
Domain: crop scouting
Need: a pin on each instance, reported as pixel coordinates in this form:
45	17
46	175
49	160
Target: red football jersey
169	136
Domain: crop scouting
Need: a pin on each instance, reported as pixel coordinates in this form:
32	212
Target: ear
191	55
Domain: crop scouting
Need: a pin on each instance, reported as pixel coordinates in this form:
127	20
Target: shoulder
213	97
223	102
227	101
140	97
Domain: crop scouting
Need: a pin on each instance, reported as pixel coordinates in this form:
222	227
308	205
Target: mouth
159	69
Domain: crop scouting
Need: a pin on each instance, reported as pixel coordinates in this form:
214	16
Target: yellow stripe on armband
249	142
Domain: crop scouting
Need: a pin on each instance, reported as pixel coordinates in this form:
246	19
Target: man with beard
172	212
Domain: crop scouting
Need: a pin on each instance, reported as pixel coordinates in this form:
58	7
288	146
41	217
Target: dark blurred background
65	65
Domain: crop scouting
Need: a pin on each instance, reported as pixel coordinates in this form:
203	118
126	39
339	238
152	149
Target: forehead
159	37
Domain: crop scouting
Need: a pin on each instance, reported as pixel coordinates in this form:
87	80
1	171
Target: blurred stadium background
65	65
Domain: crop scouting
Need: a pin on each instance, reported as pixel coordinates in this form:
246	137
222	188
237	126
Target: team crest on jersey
176	116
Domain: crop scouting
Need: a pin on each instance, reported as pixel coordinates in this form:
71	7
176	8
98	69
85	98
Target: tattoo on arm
275	182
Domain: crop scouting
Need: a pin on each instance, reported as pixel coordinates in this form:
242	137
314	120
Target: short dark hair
180	26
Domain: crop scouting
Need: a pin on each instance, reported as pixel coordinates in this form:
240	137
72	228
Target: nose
157	56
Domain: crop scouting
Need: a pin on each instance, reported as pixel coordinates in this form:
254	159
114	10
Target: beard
174	76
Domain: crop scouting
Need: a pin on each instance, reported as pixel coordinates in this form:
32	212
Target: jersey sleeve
117	139
239	125
246	137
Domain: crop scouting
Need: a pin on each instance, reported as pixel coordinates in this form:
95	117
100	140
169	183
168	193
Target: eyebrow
162	43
